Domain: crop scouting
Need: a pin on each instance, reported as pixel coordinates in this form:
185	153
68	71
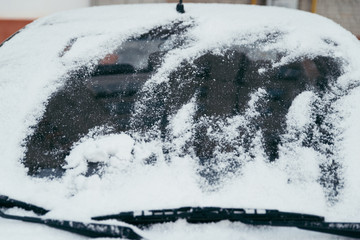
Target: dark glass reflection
222	85
103	97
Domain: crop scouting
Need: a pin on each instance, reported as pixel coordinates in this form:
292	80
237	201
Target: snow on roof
32	68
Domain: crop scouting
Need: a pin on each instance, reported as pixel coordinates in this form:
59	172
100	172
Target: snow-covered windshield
234	102
153	109
102	96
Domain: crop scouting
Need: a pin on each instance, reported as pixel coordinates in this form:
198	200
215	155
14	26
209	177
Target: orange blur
9	26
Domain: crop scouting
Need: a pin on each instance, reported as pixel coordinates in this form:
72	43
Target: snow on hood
32	69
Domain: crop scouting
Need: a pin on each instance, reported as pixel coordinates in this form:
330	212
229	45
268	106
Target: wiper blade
7	202
93	230
213	214
247	216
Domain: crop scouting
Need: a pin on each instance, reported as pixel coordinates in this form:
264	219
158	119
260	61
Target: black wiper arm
93	230
247	216
336	228
7	202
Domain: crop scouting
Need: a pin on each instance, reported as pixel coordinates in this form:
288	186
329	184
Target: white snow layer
31	69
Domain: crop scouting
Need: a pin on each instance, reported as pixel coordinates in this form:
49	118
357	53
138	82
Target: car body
133	107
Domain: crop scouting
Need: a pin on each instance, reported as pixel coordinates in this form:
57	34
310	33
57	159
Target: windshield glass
235	103
103	97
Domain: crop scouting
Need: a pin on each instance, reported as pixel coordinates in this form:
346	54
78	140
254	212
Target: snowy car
206	117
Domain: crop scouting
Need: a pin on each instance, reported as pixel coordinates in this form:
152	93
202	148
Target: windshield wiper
93	230
212	214
190	214
7	202
247	216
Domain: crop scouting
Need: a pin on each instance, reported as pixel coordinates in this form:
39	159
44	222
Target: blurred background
15	14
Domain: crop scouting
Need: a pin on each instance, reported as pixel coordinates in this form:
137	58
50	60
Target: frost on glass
103	96
223	108
240	110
